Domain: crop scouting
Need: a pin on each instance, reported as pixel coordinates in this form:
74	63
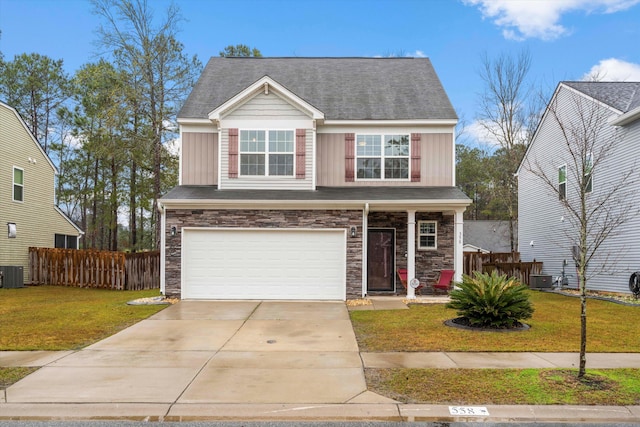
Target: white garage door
264	264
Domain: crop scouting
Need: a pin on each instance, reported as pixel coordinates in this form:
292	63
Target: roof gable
265	85
341	88
30	135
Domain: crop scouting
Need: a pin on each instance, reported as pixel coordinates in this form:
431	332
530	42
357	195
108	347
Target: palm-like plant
491	300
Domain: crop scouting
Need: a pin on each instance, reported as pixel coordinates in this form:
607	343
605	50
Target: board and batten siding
543	220
37	221
199	158
436	162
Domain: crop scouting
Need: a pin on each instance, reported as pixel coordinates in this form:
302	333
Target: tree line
110	127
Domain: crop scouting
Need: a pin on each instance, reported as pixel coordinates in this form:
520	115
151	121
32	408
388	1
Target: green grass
9	376
63	318
507	386
555	327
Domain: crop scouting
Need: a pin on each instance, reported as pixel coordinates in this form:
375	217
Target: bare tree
163	74
584	139
505	117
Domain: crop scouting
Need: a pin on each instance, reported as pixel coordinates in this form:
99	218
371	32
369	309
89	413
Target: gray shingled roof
488	234
623	96
211	192
342	88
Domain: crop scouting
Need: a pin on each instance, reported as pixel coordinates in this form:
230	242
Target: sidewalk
364	407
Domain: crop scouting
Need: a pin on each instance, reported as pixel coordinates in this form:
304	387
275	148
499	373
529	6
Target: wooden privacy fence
94	269
505	262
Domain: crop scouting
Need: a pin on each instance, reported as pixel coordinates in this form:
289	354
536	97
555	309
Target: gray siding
436	157
199	158
541	213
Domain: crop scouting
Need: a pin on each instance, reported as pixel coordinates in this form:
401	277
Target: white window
427	235
266	153
562	182
382	156
588	176
18	184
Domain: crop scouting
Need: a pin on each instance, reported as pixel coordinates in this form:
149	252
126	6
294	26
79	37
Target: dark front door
380	260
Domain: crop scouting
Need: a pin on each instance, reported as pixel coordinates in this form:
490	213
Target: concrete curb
314	412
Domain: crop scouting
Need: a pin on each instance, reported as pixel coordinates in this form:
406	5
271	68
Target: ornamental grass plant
491	300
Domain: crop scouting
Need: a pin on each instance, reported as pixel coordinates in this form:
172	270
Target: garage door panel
264	264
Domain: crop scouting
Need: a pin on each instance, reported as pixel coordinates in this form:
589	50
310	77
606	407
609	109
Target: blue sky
567	39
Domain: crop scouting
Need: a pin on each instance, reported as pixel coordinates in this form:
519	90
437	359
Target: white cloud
478	133
522	19
615	70
418	54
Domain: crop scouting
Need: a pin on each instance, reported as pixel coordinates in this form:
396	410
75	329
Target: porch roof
409	197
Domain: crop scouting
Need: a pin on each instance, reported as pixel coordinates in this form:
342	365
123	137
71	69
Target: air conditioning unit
540	281
11	276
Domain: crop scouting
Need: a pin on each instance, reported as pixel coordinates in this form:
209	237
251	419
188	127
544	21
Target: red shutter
349	156
415	157
233	153
301	142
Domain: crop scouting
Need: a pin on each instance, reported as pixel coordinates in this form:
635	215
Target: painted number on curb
468	410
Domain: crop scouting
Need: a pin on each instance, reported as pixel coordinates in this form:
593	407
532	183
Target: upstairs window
18	185
427	235
562	182
382	156
266	153
588	168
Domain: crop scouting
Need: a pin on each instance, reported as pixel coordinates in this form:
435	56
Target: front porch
422	242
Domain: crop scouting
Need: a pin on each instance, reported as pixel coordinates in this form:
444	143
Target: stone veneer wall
428	262
263	219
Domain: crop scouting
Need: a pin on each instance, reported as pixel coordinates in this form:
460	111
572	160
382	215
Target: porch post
458	246
411	252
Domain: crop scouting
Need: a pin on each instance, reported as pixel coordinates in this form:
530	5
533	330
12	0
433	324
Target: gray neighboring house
486	236
312	179
541	216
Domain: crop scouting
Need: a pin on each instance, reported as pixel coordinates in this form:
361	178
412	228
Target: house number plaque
468	410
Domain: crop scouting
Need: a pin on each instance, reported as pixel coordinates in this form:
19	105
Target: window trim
382	158
266	153
588	172
562	195
434	234
13	187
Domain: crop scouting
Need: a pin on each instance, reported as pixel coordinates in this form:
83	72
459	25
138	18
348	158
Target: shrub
491	300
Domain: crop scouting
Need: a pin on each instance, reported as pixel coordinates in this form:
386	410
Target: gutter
626	118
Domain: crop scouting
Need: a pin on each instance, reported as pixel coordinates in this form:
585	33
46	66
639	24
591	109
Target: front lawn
507	386
64	318
555	327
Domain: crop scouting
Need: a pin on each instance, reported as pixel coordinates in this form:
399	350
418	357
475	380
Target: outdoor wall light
174	230
354	231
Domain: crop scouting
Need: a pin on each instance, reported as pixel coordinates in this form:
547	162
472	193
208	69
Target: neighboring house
27	196
486	236
312	178
543	223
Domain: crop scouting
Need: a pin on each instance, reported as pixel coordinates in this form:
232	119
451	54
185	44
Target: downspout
163	244
365	226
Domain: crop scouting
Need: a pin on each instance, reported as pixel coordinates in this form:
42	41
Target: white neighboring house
543	222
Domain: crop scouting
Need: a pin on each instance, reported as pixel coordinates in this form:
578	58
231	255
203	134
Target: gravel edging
596	297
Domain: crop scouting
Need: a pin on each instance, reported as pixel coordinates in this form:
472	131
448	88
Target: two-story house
597	123
27	196
312	178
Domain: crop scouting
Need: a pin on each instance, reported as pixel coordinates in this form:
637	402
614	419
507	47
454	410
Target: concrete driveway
201	352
